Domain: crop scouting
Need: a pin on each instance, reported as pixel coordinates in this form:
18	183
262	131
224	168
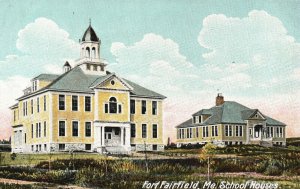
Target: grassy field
33	159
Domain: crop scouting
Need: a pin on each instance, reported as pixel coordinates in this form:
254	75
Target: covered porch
113	138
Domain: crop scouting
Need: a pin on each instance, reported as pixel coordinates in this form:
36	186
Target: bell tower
90	61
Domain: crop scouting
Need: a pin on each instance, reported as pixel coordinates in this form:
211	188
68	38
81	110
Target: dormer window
34	85
200	119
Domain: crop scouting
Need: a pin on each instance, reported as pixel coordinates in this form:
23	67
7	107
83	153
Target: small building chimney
219	99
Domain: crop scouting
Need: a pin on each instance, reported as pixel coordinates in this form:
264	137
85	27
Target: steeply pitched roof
46	77
230	112
90	35
76	80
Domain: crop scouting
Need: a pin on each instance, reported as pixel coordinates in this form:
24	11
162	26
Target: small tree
207	154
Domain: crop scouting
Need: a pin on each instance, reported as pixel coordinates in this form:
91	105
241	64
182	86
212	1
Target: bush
273	170
13	156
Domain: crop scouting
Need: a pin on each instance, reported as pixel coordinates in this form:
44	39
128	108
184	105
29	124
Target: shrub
273	170
13	156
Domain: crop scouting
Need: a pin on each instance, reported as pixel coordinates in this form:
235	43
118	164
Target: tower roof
90	35
67	64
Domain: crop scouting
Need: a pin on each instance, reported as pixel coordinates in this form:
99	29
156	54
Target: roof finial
90	21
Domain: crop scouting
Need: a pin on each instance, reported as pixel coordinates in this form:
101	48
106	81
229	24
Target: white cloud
11	88
40	43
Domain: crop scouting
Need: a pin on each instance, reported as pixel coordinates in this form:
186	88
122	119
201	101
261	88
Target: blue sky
186	50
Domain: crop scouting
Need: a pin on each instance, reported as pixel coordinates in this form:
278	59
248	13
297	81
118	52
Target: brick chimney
219	99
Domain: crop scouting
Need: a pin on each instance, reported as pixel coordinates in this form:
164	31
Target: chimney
219	99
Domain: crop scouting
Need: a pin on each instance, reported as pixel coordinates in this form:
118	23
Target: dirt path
42	184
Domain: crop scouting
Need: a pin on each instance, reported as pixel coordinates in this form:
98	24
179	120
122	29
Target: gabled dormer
257	115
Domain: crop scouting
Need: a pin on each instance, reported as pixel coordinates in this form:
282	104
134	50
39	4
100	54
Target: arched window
93	52
87	52
112	105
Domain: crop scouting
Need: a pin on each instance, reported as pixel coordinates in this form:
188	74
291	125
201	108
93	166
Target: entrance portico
112	137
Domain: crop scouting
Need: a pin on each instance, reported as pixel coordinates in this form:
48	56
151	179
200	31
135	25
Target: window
45	103
61	99
216	130
154	131
226	130
61	147
93	52
280	132
31	103
88	67
36	130
132	130
230	130
25	108
200	119
31	130
205	131
102	68
88	129
194	119
277	131
106	108
237	130
112	105
45	129
241	130
40	130
95	68
38	104
74	103
62	128
87	104
45	147
272	132
154	107
144	108
144	131
25	138
119	108
182	130
87	52
132	106
154	147
197	132
250	131
14	115
75	128
112	82
88	147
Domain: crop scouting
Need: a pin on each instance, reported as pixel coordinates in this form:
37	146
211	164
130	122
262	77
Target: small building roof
229	112
46	77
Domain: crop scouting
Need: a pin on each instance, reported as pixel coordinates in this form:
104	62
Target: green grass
33	159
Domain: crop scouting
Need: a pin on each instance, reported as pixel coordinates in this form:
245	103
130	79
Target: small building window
154	131
31	103
32	130
62	128
132	130
88	129
144	106
87	103
154	107
102	68
93	52
75	128
132	106
61	104
74	103
87	52
112	82
144	131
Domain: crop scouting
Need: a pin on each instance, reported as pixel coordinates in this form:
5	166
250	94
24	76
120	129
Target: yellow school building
87	108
